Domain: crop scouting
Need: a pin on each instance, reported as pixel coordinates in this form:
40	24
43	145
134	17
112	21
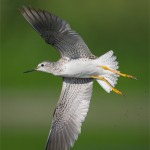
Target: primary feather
69	114
57	33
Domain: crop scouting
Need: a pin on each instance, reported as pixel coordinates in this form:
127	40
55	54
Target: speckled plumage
74	100
57	33
75	97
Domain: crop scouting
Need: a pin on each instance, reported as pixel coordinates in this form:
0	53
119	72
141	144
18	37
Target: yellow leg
103	79
117	72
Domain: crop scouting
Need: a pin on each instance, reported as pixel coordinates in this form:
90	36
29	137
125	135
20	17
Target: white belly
81	69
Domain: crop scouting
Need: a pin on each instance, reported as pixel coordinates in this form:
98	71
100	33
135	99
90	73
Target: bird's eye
42	65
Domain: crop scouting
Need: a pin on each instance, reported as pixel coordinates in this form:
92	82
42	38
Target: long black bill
29	71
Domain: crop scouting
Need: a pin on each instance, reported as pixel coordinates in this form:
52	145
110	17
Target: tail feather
106	56
108	60
112	79
104	86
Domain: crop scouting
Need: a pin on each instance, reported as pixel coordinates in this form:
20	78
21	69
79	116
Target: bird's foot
119	73
103	79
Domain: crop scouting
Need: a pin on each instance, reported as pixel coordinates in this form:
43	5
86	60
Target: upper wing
69	114
57	33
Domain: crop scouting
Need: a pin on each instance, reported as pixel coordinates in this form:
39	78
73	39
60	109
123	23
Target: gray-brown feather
69	114
57	33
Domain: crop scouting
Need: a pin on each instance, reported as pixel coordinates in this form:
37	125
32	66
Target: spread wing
69	114
57	33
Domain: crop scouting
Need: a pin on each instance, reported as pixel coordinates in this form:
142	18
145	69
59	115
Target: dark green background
113	122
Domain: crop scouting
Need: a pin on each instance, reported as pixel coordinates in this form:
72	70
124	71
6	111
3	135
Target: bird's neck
53	68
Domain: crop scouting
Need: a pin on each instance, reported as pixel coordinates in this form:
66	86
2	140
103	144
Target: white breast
80	69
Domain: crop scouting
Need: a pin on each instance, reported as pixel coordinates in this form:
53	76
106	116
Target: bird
78	67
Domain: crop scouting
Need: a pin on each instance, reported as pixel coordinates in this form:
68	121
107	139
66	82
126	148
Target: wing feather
69	114
57	33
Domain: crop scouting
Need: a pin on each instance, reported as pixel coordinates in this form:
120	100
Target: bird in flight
78	67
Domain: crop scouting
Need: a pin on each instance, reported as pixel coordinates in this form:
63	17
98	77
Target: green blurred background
27	100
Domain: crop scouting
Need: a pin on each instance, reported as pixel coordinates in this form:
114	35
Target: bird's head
44	66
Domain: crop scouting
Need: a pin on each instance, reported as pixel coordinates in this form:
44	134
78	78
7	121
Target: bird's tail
109	74
108	79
